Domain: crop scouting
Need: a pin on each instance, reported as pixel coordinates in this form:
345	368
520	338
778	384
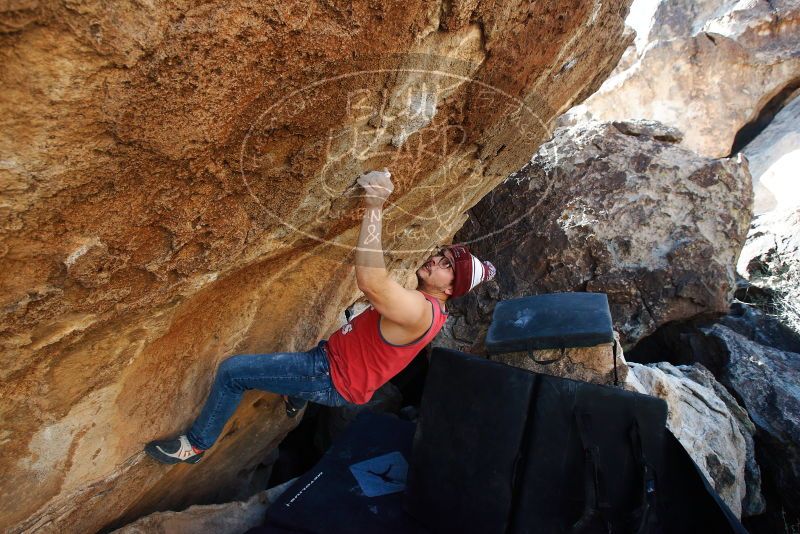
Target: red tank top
360	359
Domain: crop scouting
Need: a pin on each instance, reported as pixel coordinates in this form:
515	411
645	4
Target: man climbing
358	358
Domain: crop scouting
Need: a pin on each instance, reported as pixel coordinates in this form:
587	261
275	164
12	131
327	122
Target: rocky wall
706	67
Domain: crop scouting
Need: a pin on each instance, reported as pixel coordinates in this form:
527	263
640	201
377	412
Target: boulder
228	518
770	262
599	364
712	427
617	208
708	68
774	157
764	381
178	185
752	323
685	343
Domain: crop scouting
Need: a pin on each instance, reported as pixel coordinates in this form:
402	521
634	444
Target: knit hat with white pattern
469	270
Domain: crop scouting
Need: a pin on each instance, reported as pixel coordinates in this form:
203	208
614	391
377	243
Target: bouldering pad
503	449
551	321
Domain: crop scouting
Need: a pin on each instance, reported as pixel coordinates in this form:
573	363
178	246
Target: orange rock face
178	185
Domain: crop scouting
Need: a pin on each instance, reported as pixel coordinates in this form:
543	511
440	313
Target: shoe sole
152	451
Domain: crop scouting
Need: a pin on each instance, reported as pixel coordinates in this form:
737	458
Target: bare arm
402	306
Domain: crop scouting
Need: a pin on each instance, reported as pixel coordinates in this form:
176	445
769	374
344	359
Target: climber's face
437	273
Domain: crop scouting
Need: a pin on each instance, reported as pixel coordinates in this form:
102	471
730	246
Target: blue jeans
304	375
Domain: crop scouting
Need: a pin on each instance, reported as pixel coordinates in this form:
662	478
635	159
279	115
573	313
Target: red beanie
469	270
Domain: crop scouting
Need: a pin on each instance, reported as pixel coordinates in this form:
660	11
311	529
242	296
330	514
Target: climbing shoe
173	451
293	405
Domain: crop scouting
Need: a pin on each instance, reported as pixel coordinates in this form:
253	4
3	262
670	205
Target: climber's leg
300	375
303	375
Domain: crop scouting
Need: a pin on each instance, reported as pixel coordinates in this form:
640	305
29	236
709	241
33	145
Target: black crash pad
471	424
551	492
551	321
356	487
503	449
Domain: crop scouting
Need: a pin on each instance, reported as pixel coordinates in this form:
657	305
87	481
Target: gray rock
229	518
712	427
753	502
656	130
705	67
770	261
651	224
774	157
765	380
755	325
